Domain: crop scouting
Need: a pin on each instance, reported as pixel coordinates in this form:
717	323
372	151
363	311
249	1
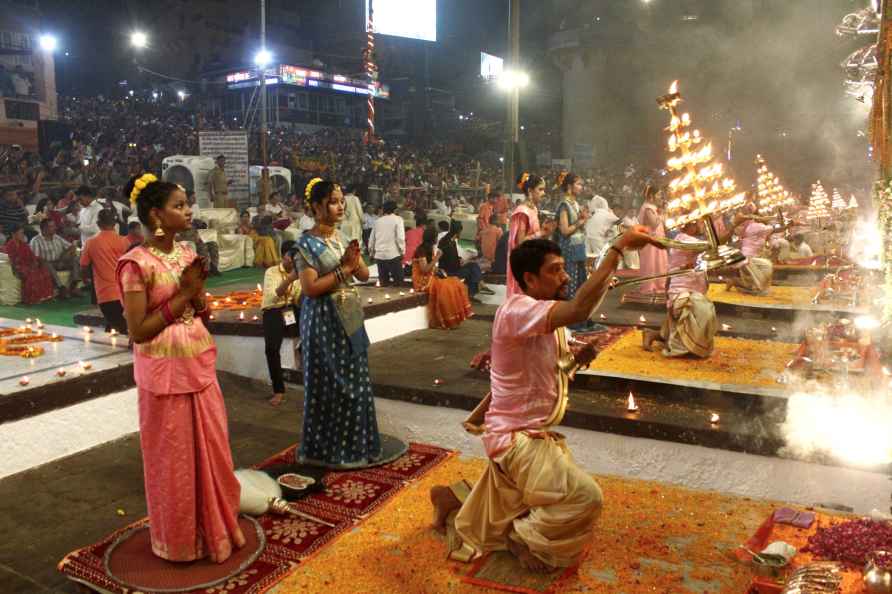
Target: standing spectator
489	238
484	217
387	244
88	219
57	254
281	296
218	185
101	253
12	214
414	238
351	226
368	223
134	233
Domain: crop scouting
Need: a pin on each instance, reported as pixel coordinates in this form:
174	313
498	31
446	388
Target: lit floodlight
263	58
139	40
48	43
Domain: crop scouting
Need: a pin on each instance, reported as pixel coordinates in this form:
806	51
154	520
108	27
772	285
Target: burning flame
25	381
714	418
259	288
241	315
642	319
673	88
631	406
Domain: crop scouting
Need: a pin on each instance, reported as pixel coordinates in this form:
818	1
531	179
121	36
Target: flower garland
309	190
882	200
140	185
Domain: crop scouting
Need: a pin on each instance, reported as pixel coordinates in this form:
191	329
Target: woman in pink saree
653	260
524	222
191	489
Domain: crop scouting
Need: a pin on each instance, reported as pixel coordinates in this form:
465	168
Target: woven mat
348	498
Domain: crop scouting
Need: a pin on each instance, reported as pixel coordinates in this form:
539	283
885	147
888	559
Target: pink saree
523	217
653	259
191	490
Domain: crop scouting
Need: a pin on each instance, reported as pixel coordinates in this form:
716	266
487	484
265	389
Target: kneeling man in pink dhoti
533	500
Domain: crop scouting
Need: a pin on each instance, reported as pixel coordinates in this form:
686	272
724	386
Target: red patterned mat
347	499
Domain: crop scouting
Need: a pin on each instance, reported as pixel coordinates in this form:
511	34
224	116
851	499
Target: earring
159	232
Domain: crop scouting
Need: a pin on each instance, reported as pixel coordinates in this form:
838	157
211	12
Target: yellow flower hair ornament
139	185
523	179
309	189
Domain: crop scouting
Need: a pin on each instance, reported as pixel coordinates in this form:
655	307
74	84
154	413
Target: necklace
171	258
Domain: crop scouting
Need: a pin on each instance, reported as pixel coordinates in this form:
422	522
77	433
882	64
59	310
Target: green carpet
61	313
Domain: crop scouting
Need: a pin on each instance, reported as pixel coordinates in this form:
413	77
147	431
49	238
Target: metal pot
876	579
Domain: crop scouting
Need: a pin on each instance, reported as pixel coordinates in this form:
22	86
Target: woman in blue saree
340	429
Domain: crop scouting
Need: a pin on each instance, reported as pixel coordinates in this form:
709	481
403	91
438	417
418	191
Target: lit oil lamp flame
602	317
241	315
25	381
88	330
370	300
631	405
773	330
726	327
54	336
212	317
215	303
254	318
411	291
206	294
402	294
387	295
714	418
377	283
673	88
60	372
39	323
259	288
642	319
113	332
85	364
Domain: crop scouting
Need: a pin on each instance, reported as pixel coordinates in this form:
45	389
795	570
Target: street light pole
264	175
512	124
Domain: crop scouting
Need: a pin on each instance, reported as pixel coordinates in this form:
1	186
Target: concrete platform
107	368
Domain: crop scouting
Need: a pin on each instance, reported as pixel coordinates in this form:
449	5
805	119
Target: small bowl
295	482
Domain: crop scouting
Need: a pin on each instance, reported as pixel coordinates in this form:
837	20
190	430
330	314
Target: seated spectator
274	206
800	248
265	254
37	282
101	253
489	238
452	265
448	304
12	213
58	255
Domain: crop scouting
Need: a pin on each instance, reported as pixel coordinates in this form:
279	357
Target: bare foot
444	502
648	337
528	560
277	399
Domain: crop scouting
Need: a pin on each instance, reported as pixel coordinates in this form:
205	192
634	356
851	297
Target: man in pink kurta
755	274
690	325
533	499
